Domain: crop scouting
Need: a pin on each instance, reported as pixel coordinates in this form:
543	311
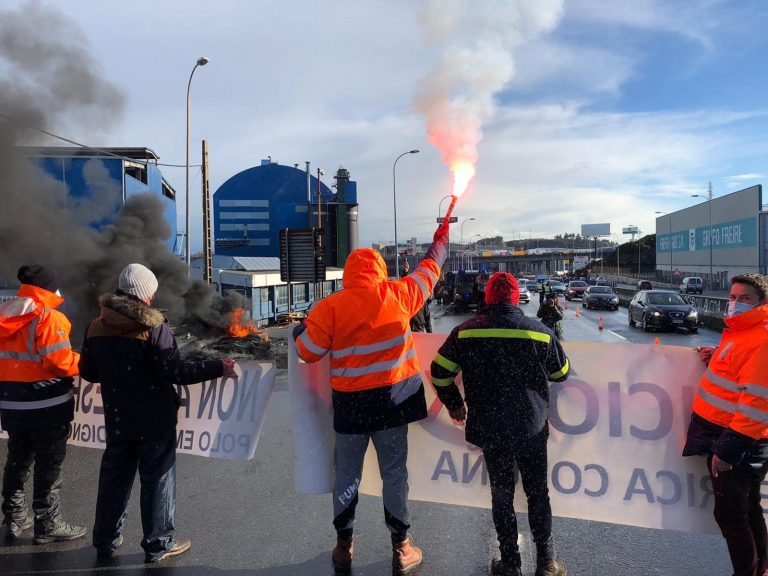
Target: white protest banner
220	418
617	428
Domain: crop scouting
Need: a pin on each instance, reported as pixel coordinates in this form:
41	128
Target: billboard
722	233
595	229
630	230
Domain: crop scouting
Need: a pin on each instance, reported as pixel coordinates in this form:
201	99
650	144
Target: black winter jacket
507	361
132	353
422	321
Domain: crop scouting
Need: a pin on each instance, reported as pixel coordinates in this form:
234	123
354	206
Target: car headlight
615	299
657	313
693	314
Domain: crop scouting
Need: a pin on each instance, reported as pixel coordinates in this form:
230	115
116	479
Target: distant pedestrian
551	314
729	424
37	366
544	289
377	387
130	350
507	361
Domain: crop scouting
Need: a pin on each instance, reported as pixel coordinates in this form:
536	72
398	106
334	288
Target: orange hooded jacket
366	326
733	392
34	338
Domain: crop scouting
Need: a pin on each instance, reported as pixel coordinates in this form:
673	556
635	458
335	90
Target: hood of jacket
125	315
29	303
364	267
758	315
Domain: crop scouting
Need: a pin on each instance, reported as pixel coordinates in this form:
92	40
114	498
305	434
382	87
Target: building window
299	293
242	227
302	208
281	295
136	171
259	242
327	288
243	203
232	215
264	294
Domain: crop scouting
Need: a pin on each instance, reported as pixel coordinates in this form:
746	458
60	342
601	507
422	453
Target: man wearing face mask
729	423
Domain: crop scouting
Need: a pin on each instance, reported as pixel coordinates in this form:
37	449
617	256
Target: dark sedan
600	297
662	309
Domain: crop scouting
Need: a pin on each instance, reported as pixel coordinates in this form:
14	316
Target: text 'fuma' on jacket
506	361
132	353
37	362
365	328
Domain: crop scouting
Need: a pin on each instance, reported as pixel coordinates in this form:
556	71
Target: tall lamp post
709	239
618	255
202	61
394	202
669	217
462	231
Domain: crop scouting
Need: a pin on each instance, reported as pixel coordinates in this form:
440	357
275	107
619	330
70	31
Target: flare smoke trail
49	81
478	39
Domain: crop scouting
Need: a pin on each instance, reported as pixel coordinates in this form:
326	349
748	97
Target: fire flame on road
239	328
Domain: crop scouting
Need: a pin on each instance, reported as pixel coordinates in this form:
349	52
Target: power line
86	147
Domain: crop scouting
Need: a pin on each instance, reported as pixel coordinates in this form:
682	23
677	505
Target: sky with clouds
580	111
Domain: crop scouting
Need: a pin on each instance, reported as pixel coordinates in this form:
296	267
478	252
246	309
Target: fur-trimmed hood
126	315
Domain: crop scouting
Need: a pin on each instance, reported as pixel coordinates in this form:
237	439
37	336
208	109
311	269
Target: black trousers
531	461
739	515
46	449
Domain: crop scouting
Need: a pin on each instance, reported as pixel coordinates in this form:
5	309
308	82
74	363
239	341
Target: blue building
252	207
123	171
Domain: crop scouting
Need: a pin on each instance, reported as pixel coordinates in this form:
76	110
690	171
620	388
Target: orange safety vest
366	326
733	392
34	338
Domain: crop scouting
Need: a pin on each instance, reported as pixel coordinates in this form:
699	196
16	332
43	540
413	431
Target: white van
692	284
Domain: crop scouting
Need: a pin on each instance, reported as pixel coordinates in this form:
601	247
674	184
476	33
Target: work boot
406	558
551	568
13	530
342	555
178	548
500	568
61	532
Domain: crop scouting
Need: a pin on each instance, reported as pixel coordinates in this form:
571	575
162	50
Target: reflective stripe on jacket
733	392
365	327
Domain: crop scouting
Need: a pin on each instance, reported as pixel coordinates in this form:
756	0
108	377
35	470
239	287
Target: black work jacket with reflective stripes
506	361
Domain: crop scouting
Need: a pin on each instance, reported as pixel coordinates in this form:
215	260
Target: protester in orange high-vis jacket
377	388
37	365
729	423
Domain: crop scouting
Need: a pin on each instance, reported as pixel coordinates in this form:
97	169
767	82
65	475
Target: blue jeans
155	460
392	453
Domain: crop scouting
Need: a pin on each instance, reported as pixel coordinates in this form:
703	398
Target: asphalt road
245	519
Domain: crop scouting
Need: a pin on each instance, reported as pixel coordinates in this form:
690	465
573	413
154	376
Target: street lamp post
618	255
394	202
202	61
462	231
669	217
709	238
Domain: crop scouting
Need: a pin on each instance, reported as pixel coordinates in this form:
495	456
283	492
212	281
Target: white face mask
736	308
57	293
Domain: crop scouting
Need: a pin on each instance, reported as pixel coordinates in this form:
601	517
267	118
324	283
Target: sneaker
106	552
499	568
551	568
13	530
62	532
178	548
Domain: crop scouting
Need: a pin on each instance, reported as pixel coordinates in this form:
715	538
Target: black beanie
39	276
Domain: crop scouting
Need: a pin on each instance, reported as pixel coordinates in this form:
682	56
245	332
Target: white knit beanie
138	280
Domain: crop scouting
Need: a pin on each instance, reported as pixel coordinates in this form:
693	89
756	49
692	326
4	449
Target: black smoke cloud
48	80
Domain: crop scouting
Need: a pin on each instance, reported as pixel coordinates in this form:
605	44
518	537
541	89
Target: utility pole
207	218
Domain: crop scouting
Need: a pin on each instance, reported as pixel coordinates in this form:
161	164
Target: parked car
600	297
557	287
662	309
575	289
692	284
644	285
532	286
525	294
